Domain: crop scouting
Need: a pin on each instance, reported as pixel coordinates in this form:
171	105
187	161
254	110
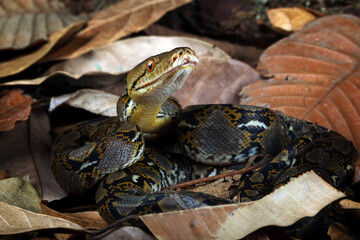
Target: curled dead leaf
301	197
14	65
92	100
14	106
316	75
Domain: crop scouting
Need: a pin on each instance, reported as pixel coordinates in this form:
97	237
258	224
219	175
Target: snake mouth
185	63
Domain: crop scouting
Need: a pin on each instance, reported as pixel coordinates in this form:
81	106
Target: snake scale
213	138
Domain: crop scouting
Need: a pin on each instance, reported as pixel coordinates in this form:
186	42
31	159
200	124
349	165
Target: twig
262	162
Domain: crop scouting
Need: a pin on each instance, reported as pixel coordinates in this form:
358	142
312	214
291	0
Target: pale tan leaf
15	220
19	192
301	197
14	65
92	100
26	22
121	56
289	19
117	21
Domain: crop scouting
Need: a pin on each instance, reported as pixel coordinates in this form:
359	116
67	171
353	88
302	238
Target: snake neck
149	116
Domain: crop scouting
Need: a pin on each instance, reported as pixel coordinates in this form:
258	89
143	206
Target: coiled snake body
208	134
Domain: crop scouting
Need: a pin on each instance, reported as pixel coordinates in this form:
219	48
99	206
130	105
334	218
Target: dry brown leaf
26	151
316	75
27	22
14	106
15	220
92	100
289	19
19	192
216	80
352	206
120	57
338	231
84	219
303	196
10	66
117	21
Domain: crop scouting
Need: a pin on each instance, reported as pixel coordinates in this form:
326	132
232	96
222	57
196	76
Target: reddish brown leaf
316	75
14	106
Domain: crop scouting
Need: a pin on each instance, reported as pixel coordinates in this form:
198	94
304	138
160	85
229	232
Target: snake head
158	77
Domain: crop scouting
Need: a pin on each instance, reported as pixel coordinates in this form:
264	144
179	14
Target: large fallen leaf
12	65
19	192
216	80
316	75
120	57
117	21
14	106
26	151
28	22
301	197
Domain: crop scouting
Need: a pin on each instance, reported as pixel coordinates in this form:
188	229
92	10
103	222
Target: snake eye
150	65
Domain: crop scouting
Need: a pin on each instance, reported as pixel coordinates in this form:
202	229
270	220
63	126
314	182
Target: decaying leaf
10	66
92	100
19	192
301	197
26	151
315	75
27	22
120	57
14	106
15	220
117	21
289	19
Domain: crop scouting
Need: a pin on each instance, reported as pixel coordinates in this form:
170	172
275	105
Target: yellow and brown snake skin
211	134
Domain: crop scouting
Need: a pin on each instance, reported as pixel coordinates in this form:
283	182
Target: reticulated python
208	134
